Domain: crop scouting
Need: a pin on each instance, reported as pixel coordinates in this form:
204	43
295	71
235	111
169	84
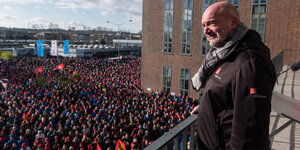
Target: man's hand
195	110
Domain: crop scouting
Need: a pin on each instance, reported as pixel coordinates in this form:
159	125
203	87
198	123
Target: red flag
120	145
74	72
38	70
114	71
24	117
61	66
4	82
3	69
98	147
51	61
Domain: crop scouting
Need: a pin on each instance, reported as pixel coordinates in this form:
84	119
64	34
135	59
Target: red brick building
174	46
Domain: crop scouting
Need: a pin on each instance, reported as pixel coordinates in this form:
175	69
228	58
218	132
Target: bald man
237	78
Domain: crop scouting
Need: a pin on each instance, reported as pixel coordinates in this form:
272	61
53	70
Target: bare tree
99	28
84	27
54	28
41	26
71	34
36	28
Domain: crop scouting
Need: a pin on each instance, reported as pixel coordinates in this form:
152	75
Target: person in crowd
24	147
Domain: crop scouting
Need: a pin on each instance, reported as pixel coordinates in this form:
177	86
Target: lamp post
119	34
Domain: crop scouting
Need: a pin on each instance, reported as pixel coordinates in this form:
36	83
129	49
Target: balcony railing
180	137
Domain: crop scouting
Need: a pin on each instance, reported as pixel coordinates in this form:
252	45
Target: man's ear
234	21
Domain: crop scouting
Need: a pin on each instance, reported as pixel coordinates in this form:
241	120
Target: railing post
177	142
184	139
192	135
165	147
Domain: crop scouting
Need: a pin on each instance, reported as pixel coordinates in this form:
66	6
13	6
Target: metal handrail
286	106
278	62
178	137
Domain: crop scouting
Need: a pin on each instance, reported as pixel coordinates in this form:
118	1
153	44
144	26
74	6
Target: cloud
76	24
68	4
10	21
104	13
7	7
5	17
38	20
132	9
23	1
40	23
44	23
128	7
37	7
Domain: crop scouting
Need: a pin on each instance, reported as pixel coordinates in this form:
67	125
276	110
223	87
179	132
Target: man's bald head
218	21
223	9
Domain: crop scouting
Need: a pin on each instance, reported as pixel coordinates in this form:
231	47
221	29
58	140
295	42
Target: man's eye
212	25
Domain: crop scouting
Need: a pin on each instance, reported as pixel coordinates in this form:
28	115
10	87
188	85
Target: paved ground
289	139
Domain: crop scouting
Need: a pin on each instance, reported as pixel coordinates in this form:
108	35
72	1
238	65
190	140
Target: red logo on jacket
218	71
253	91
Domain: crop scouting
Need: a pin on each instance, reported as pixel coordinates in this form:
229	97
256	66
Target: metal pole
119	34
118	42
281	128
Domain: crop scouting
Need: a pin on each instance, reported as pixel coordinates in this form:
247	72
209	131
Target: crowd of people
104	105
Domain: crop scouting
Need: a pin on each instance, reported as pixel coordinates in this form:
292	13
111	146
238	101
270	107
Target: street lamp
119	34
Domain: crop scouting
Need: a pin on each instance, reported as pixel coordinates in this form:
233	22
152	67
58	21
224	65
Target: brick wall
282	25
290	56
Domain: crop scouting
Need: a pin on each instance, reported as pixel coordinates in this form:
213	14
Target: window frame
255	21
165	76
168	27
204	41
185	79
235	5
185	35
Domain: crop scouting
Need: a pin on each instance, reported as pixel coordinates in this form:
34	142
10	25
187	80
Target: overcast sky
72	13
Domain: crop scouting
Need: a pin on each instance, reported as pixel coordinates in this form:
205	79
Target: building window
187	27
184	81
235	3
166	79
258	20
205	44
168	26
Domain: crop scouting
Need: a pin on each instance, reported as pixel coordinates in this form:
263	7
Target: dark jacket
235	105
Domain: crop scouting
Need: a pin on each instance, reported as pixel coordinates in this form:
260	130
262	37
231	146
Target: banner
66	46
40	48
53	48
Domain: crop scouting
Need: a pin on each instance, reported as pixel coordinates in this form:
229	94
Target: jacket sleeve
252	92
